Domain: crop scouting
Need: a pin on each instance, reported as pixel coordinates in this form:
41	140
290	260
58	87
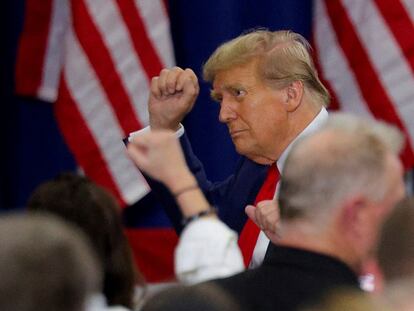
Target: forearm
189	196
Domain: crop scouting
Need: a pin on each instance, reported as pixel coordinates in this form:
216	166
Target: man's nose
227	112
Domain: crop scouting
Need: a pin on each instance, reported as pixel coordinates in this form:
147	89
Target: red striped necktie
250	232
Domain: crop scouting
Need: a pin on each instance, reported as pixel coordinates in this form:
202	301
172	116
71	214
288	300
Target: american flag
365	51
94	59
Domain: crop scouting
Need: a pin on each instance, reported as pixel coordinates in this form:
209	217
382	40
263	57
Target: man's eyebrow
235	86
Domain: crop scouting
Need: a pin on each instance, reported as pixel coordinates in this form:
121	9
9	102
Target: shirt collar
316	123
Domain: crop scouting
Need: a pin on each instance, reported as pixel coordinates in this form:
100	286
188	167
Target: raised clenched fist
173	94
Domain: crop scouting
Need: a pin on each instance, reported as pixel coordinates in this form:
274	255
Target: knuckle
261	204
176	68
169	83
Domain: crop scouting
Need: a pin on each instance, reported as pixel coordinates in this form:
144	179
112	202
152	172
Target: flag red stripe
149	58
29	67
166	7
153	251
401	26
83	145
372	90
101	61
334	103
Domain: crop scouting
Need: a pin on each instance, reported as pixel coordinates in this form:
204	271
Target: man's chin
261	160
255	157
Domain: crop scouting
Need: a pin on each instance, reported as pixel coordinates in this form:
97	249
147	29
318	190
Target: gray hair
45	264
344	158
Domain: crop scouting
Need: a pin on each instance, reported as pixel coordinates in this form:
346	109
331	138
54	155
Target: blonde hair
283	57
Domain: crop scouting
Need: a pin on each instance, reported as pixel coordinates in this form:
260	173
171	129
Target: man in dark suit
269	94
337	188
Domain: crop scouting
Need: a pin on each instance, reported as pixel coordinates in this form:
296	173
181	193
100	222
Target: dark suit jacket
230	196
288	279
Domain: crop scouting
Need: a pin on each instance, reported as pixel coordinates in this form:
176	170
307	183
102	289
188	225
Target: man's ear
294	96
354	214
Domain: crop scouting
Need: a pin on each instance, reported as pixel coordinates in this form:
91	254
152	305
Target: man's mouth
235	133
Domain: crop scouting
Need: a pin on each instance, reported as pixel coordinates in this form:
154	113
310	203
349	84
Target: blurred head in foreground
45	264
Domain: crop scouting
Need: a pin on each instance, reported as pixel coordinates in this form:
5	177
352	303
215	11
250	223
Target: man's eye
239	93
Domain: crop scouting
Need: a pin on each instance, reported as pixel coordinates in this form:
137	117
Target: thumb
250	211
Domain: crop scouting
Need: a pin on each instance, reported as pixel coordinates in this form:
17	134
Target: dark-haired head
80	201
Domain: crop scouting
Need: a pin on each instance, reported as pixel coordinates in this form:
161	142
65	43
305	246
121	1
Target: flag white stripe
116	36
53	57
386	56
334	65
99	117
158	28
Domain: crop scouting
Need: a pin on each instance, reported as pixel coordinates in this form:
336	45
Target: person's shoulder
237	280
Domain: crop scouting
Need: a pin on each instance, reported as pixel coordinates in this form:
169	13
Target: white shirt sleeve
207	249
146	129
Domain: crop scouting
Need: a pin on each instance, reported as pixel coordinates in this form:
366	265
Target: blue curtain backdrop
32	147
